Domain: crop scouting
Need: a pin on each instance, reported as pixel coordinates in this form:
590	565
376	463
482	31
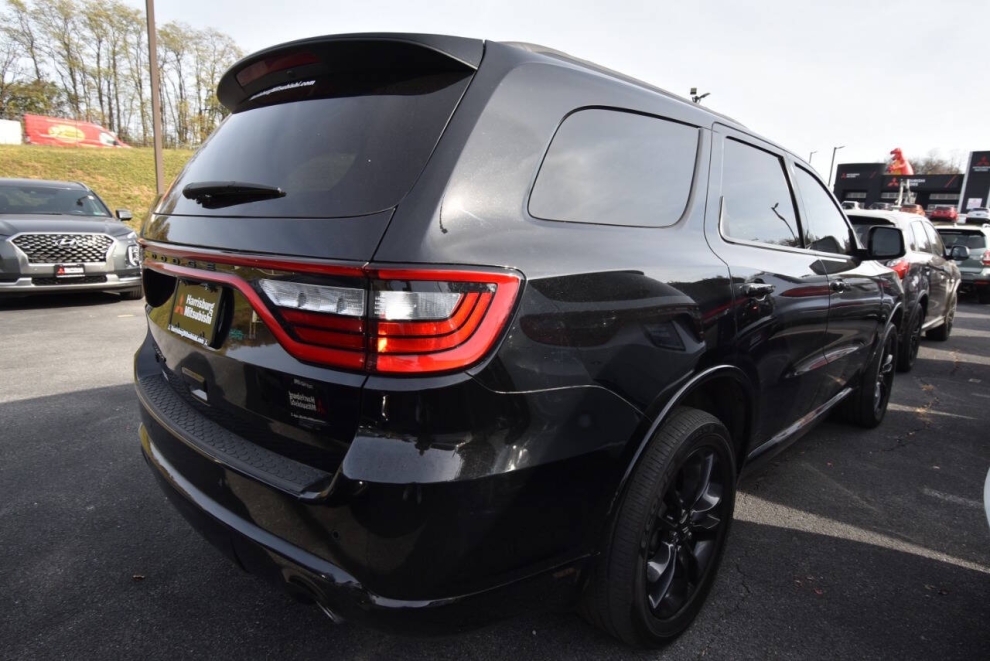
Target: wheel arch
724	391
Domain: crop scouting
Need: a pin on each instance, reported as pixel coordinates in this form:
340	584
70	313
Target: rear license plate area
196	311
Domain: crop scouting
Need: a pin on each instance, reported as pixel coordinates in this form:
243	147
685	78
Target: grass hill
124	178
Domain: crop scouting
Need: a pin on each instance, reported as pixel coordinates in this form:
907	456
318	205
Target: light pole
811	156
832	167
156	103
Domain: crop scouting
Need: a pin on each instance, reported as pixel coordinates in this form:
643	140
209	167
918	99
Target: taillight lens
986	258
406	321
900	267
346	301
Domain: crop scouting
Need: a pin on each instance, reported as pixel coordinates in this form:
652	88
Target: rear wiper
217	194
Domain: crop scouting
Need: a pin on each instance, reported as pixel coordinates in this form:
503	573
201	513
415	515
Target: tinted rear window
969	239
862	224
616	168
336	147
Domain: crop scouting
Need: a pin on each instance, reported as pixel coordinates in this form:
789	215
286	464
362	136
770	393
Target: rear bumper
394	536
310	577
971	281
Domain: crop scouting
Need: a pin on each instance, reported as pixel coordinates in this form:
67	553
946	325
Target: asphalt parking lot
851	545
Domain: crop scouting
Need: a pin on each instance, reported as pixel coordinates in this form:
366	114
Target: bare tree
88	59
934	163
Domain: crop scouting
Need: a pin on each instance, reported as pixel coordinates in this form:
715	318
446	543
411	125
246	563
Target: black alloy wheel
908	354
684	534
665	541
866	406
884	380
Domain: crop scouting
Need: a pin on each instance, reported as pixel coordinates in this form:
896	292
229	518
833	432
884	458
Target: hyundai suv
929	274
59	236
443	329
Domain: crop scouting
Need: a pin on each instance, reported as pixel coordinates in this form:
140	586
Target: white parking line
955	500
754	509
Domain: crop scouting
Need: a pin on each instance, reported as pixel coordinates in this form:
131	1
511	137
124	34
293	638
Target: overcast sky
809	75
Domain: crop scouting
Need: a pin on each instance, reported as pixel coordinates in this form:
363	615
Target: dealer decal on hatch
306	403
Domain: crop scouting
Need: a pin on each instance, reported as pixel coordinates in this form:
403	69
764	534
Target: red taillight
986	258
900	267
460	339
385	321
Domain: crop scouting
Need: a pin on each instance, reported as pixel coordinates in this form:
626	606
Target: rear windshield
28	199
861	225
334	153
968	239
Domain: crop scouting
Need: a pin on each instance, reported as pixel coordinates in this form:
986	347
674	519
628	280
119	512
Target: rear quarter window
616	168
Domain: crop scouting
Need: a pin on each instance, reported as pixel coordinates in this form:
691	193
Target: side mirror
124	214
958	253
883	243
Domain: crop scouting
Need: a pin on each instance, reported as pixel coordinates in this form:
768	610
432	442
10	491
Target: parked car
975	270
944	213
434	338
986	496
59	236
881	206
928	273
978	215
916	209
850	204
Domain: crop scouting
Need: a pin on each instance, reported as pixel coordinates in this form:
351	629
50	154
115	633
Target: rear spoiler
305	59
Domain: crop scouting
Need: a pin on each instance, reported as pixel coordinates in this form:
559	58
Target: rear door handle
756	289
838	286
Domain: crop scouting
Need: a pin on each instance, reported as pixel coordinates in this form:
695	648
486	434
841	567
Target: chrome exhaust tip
336	619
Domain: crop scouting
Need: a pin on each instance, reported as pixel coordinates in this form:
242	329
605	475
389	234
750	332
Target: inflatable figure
899	164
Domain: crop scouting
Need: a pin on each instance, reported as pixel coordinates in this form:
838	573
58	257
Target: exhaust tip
336	619
305	593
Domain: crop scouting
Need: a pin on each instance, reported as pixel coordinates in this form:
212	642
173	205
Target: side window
616	168
824	225
936	243
920	238
756	200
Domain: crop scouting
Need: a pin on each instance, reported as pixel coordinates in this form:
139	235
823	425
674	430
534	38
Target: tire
907	352
867	404
652	546
984	296
132	294
941	334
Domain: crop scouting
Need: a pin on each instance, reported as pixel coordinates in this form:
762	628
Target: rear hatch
254	257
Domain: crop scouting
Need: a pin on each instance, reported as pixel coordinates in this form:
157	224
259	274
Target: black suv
928	273
441	329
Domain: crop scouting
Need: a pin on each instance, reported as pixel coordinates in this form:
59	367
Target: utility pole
832	167
156	103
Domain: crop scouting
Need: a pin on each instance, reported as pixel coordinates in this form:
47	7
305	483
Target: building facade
867	183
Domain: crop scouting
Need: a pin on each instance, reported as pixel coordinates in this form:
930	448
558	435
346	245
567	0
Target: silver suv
976	269
59	236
